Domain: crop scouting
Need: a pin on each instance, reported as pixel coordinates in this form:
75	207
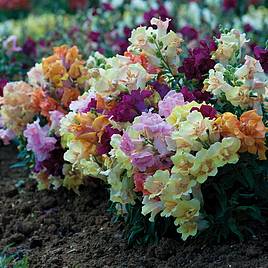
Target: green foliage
14	14
234	200
224	105
15	65
12	260
236	197
26	158
139	230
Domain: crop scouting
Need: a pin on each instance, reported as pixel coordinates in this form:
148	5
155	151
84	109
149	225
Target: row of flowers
25	5
154	123
26	41
250	15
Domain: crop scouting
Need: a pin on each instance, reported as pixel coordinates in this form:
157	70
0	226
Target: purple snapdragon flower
6	135
261	54
107	7
195	95
29	47
229	4
94	36
131	105
206	110
3	82
127	146
10	44
55	117
54	163
199	61
143	160
120	43
189	33
162	89
104	146
248	28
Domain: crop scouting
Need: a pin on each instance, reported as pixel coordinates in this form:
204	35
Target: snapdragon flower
229	44
171	100
38	140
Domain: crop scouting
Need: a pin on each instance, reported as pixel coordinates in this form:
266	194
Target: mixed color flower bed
175	125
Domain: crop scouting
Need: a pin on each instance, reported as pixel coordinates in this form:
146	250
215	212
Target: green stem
166	65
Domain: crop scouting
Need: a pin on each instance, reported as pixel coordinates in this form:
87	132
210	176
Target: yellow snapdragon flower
73	178
186	210
180	113
187	229
155	184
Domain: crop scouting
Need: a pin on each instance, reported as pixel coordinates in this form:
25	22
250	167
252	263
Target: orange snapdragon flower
102	104
16	108
69	95
89	128
143	60
64	64
47	105
72	55
76	69
228	125
57	73
254	134
250	129
44	104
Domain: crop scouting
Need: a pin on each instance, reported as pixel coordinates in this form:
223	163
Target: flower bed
177	132
40	31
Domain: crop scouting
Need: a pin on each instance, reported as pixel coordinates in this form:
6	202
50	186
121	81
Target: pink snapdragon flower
139	179
143	160
152	125
38	140
81	105
171	100
140	157
55	117
10	44
127	146
6	135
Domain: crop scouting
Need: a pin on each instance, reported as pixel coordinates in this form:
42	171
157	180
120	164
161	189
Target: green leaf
252	211
248	176
234	228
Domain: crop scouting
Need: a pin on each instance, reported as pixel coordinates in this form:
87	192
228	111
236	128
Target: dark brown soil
61	229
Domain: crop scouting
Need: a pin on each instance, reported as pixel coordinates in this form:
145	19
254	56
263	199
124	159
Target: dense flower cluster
33	110
155	123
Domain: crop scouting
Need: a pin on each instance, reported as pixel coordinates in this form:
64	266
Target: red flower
77	4
206	111
139	179
199	61
3	82
14	4
261	54
229	4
